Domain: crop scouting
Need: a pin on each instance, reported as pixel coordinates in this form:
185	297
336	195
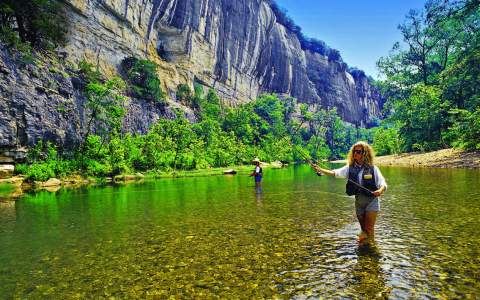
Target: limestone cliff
236	47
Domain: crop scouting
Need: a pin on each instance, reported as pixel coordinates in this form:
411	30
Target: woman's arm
381	183
379	192
322	170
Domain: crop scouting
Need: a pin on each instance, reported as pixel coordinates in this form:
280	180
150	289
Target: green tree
210	106
421	118
40	23
386	140
272	111
437	73
143	80
175	139
104	108
465	130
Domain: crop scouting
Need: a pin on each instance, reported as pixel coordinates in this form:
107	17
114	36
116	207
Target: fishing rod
360	186
312	164
305	157
348	179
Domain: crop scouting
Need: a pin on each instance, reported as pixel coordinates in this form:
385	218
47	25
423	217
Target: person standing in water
257	172
365	181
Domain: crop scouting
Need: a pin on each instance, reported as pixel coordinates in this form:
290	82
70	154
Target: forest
430	82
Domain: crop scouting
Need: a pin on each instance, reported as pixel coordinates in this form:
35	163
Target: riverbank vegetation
270	128
431	88
221	136
432	83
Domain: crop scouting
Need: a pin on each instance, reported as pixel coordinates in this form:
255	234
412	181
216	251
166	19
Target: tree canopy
432	83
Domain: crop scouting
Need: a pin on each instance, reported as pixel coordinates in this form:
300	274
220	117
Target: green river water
217	237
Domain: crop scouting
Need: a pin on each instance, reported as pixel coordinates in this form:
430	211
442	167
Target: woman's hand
379	192
316	168
322	171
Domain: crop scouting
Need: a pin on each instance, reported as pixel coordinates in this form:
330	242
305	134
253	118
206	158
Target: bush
315	45
9	37
334	55
184	94
465	130
386	141
40	172
43	162
96	168
90	75
21	169
141	74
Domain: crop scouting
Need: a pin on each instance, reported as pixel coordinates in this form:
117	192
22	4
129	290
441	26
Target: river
219	237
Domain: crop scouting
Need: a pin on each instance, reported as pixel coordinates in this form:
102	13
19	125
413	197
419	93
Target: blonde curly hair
367	157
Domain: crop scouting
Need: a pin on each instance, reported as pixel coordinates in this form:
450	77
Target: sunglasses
358	151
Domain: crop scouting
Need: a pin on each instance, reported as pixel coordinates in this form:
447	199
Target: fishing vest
368	181
260	171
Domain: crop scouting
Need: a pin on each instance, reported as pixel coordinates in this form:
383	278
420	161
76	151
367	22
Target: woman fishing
365	181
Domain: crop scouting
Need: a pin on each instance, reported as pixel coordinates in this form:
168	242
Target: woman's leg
370	219
363	234
361	203
361	220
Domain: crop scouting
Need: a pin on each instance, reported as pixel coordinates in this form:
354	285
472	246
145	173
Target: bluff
236	47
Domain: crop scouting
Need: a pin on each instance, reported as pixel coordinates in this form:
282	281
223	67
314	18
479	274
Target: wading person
365	181
257	172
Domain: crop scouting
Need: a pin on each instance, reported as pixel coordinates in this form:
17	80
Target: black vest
368	181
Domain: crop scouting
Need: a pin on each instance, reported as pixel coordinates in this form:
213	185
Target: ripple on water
218	238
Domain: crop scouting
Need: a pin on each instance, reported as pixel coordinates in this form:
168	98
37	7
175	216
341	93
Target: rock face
236	47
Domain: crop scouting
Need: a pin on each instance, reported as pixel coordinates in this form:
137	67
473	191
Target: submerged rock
52	182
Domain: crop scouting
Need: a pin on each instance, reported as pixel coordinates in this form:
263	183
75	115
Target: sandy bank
446	158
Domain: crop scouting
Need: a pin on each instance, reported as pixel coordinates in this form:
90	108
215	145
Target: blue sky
362	31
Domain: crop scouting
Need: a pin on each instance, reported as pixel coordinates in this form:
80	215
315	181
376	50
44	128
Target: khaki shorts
365	203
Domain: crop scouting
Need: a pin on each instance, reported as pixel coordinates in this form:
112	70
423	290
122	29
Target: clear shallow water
217	237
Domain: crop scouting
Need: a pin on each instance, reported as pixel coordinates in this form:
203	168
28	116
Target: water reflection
368	278
219	237
258	194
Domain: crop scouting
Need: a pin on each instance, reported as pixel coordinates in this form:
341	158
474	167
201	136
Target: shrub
141	74
40	172
90	74
465	129
184	94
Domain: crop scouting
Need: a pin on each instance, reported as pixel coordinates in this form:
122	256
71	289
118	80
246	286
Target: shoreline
445	158
12	188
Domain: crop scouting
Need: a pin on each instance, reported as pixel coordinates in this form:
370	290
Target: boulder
6	160
52	182
6	170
